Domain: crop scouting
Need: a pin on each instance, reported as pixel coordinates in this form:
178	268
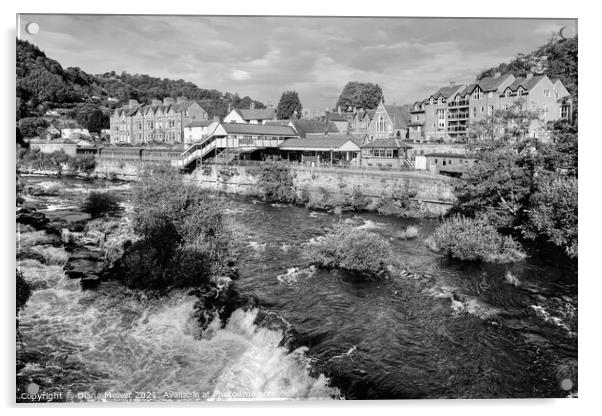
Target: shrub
99	204
474	239
183	241
351	249
23	291
83	163
275	182
358	200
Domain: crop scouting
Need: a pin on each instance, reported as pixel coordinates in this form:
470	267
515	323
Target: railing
463	103
196	151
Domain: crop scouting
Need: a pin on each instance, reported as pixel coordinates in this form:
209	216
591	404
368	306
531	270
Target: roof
336	117
388	142
453	155
398	115
257	113
326	142
200	123
305	126
258	129
448	91
526	83
492	83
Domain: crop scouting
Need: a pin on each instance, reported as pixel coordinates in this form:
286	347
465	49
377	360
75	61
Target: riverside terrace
256	142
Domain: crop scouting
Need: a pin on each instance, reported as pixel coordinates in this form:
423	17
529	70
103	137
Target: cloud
239	75
264	56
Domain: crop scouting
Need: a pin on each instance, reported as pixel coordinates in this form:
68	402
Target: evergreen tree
289	105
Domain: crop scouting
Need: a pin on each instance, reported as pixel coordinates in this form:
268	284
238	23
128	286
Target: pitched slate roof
200	123
448	91
389	142
257	113
258	129
304	126
492	83
326	142
398	115
527	84
336	117
450	155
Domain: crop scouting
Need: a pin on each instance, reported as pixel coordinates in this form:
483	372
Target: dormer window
507	93
431	100
520	92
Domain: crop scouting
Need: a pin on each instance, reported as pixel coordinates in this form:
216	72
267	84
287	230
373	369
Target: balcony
457	116
463	103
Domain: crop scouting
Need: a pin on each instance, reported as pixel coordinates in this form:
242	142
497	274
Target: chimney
529	75
155	102
452	83
183	99
252	105
168	100
229	107
132	103
497	74
339	109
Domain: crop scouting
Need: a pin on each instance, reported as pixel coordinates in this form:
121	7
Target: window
519	92
546	93
482	109
490	94
441	119
490	110
507	93
474	111
389	153
477	94
431	100
564	111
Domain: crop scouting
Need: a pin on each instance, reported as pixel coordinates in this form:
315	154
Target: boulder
83	262
33	218
90	281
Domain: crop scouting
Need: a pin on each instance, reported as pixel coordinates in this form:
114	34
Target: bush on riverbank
23	291
183	239
474	239
55	161
275	182
351	249
100	204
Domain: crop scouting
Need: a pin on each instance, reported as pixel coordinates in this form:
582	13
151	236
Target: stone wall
430	195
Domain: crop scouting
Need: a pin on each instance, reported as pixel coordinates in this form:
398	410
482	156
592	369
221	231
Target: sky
261	57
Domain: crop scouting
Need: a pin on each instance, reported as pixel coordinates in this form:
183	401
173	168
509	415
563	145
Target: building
452	109
307	128
198	130
70	132
361	121
389	121
416	124
67	145
453	164
332	149
388	153
161	121
251	115
342	119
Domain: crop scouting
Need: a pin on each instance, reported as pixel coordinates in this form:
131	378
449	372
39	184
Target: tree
523	186
289	105
32	126
360	94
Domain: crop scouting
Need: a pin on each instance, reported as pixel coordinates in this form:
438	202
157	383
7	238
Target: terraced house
447	113
161	121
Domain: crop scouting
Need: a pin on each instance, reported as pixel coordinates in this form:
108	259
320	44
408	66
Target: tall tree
289	105
360	94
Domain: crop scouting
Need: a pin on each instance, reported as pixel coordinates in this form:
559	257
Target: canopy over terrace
330	148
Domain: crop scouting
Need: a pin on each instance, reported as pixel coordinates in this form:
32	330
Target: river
440	330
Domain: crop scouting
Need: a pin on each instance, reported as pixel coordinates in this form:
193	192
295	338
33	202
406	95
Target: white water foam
121	341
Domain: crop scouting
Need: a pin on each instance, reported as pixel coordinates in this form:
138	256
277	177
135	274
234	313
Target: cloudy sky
263	56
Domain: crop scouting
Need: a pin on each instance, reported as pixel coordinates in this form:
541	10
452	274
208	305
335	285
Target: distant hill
43	84
557	59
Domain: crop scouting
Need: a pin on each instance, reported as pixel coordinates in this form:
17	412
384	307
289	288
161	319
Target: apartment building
447	114
161	121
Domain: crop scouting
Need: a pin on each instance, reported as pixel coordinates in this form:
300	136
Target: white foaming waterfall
120	341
